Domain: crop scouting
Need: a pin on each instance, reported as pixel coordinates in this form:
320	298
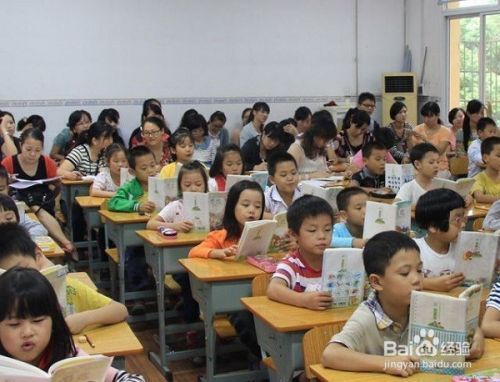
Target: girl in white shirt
108	180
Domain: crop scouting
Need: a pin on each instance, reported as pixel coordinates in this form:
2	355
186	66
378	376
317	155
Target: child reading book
441	212
486	189
351	203
491	319
32	327
373	173
245	203
425	159
86	306
284	175
182	148
107	182
486	127
228	161
9	213
297	278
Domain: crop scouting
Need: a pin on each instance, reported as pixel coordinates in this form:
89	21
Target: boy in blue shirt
351	203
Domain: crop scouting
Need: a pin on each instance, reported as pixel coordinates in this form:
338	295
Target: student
235	133
78	122
351	203
368	103
10	214
298	276
204	147
442	213
33	120
228	161
486	189
372	176
354	136
473	112
131	198
86	307
4	180
32	327
424	158
431	131
486	127
258	117
182	149
491	319
382	135
245	202
456	119
394	270
402	132
257	149
150	107
31	164
303	119
108	180
284	176
216	130
112	118
192	178
310	151
9	144
87	158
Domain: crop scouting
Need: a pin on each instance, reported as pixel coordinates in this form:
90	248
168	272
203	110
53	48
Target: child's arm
157	221
481	197
278	290
444	283
477	346
67	171
94	191
213	247
491	322
110	314
337	356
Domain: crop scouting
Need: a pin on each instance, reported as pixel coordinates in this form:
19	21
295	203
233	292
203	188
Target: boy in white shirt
486	127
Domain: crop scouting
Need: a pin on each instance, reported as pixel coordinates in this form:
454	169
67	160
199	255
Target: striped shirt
80	158
297	274
494	299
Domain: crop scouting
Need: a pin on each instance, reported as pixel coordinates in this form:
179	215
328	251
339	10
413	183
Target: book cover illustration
380	217
162	191
280	236
196	210
398	174
475	256
343	275
441	329
216	207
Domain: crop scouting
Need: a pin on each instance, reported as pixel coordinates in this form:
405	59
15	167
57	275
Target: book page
462	186
398	174
233	179
343	275
403	216
280	234
57	278
78	369
18	371
261	178
255	238
196	210
216	207
162	191
379	217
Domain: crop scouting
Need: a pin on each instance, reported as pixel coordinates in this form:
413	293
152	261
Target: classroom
280	190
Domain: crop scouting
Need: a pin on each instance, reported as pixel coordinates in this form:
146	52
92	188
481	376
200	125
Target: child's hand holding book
147	207
184	226
316	300
446	283
477	346
228	253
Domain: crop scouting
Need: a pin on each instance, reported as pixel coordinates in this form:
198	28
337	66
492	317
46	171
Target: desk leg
90	250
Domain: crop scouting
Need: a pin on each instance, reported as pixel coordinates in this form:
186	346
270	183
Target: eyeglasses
151	133
368	105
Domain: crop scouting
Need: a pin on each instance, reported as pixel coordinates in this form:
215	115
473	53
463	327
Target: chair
314	343
459	166
260	283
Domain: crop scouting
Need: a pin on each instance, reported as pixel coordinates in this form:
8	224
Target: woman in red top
156	137
31	164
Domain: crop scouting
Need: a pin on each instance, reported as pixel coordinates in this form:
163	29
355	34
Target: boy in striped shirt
491	319
297	278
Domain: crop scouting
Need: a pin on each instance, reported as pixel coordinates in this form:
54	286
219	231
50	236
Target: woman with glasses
155	136
354	135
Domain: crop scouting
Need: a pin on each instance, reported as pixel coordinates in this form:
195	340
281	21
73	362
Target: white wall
59	55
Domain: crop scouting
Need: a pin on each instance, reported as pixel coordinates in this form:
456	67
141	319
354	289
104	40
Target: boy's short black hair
302	113
307	206
277	158
434	207
136	152
382	247
15	240
489	144
483	122
367	149
418	151
4	174
8	204
344	196
366	96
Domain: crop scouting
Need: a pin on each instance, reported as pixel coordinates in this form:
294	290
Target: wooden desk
280	328
71	189
91	206
163	256
490	359
218	286
120	227
84	278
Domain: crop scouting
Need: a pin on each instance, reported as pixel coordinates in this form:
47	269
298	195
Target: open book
475	256
398	174
255	238
125	176
280	234
260	177
205	210
21	208
441	329
380	217
56	275
90	368
461	186
162	191
21	184
343	275
327	193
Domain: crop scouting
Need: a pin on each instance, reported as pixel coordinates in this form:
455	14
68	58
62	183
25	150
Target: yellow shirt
171	170
486	185
80	297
